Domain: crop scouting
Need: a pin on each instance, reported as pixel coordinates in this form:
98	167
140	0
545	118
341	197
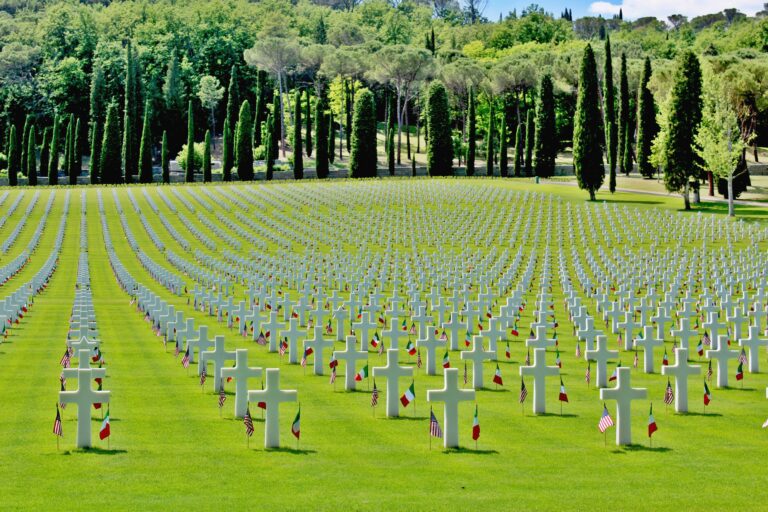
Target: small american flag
418	359
333	375
743	357
203	376
669	396
709	372
706	340
65	360
248	422
185	359
578	350
374	395
588	374
62	404
283	346
177	349
605	420
634	363
434	426
381	347
528	358
523	391
307	352
57	424
222	397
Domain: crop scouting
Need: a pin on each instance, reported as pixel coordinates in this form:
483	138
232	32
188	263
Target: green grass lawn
171	450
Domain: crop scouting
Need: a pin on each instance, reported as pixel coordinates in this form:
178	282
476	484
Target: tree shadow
407	418
95	450
494	390
555	415
471	451
713	414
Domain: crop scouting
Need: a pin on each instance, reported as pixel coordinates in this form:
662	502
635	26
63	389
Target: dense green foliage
609	110
244	143
646	126
471	133
298	153
190	156
587	131
545	139
439	144
109	161
363	158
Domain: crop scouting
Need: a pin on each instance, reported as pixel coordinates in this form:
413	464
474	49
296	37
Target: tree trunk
756	155
711	182
696	194
730	196
399	126
213	128
407	133
418	137
282	112
686	199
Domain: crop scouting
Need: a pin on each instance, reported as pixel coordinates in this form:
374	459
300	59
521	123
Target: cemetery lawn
170	449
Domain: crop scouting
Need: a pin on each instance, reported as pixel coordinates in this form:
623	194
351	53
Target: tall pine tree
45	152
190	156
244	143
53	166
363	161
503	161
272	147
31	163
14	157
93	164
545	137
530	141
173	94
490	136
145	150
647	127
227	152
440	142
165	159
519	160
609	109
471	133
321	136
109	162
298	156
623	120
308	121
207	178
587	128
683	119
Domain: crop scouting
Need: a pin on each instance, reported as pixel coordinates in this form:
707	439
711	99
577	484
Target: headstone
540	372
241	372
681	370
624	394
450	395
392	372
272	396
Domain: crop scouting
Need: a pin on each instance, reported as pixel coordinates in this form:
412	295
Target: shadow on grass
628	201
93	450
471	451
554	415
713	414
293	451
494	390
406	418
644	448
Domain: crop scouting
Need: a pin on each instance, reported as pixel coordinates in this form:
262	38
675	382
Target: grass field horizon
170	448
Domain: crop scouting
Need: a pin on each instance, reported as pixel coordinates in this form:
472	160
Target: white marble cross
540	372
648	343
293	334
241	372
540	339
271	327
201	343
392	372
394	333
318	344
272	396
84	396
722	354
629	326
350	356
218	356
430	344
685	332
681	370
454	327
589	333
477	355
341	315
601	355
754	342
623	393
450	395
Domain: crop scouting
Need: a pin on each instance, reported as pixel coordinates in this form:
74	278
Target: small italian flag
740	371
475	426
563	395
446	360
409	396
362	374
410	348
497	377
404	325
467	338
296	425
707	394
507	352
104	431
651	423
375	340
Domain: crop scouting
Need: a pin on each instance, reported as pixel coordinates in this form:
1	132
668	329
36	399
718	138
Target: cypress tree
233	99
363	159
45	152
271	149
309	123
609	109
321	137
25	143
165	159
519	150
623	115
93	164
545	136
627	150
298	157
243	143
227	152
331	138
275	130
348	101
440	143
647	127
471	133
31	163
130	119
207	178
14	157
190	156
109	161
489	153
390	134
145	150
259	109
75	155
53	166
173	92
67	168
530	140
587	133
503	162
684	117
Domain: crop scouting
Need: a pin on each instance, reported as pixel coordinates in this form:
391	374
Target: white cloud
633	9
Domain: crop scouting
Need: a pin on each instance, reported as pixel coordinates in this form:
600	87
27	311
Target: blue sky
632	8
